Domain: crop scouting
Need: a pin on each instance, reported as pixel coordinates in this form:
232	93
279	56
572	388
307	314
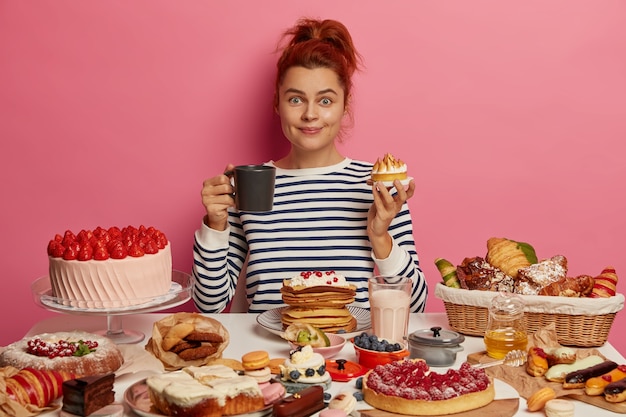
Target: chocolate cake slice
83	396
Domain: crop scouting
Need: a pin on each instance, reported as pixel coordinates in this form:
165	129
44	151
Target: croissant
605	284
36	387
509	256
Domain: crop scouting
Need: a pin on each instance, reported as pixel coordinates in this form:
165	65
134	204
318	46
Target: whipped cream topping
193	384
389	164
304	365
318	278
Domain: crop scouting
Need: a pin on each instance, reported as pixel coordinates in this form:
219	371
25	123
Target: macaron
257	359
272	392
559	408
343	401
261	375
332	412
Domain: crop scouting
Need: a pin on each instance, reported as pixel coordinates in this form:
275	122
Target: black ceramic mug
254	187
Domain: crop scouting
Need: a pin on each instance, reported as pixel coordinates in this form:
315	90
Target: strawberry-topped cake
409	387
112	267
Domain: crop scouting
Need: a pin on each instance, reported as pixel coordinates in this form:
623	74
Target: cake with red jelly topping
109	268
80	353
409	387
318	298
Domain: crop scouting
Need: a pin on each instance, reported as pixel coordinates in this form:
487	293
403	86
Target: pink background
511	116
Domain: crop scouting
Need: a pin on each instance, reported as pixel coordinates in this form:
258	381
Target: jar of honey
506	325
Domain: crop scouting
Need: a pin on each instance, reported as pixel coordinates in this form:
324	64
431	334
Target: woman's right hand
217	197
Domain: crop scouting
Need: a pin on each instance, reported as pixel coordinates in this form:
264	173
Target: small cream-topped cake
204	391
304	368
108	268
389	168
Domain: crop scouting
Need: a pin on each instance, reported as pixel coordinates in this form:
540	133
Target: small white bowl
336	344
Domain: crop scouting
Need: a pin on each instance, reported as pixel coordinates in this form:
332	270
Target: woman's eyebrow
319	93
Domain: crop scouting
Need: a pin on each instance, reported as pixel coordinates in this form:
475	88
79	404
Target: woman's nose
310	113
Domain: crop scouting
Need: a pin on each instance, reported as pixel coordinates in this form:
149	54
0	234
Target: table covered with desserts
247	332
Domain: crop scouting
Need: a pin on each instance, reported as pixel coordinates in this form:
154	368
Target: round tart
93	354
408	387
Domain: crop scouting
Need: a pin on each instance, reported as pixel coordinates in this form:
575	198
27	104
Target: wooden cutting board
515	377
497	408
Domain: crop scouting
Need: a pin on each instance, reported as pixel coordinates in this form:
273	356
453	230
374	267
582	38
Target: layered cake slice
84	396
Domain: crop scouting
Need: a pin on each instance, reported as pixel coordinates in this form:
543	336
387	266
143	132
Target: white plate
271	321
389	184
138	399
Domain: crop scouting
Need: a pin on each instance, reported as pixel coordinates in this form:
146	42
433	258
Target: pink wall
512	117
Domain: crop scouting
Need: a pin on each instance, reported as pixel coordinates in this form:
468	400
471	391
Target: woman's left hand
382	212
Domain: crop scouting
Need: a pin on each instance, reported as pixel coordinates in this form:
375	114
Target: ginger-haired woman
325	215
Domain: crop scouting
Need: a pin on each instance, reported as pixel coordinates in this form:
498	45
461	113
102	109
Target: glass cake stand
179	293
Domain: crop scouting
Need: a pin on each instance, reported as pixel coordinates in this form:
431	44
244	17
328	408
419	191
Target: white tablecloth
247	335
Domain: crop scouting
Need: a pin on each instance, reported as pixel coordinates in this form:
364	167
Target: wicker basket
580	322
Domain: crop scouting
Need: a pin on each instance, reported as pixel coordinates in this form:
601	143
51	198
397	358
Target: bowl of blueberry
372	351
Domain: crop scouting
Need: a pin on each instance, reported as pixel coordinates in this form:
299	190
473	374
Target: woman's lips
310	130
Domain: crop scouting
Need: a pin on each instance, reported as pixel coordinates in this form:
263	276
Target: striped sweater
318	222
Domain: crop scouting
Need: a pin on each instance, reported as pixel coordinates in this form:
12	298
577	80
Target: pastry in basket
477	274
448	273
79	353
533	278
410	387
580	286
187	339
605	284
509	256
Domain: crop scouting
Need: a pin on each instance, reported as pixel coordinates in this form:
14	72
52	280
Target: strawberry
71	251
84	236
117	250
85	252
55	249
151	247
102	234
160	239
100	252
51	245
135	250
114	232
68	238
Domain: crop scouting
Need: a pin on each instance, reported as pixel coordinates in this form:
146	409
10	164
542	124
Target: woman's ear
346	106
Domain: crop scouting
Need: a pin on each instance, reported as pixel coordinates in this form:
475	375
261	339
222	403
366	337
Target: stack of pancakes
322	306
